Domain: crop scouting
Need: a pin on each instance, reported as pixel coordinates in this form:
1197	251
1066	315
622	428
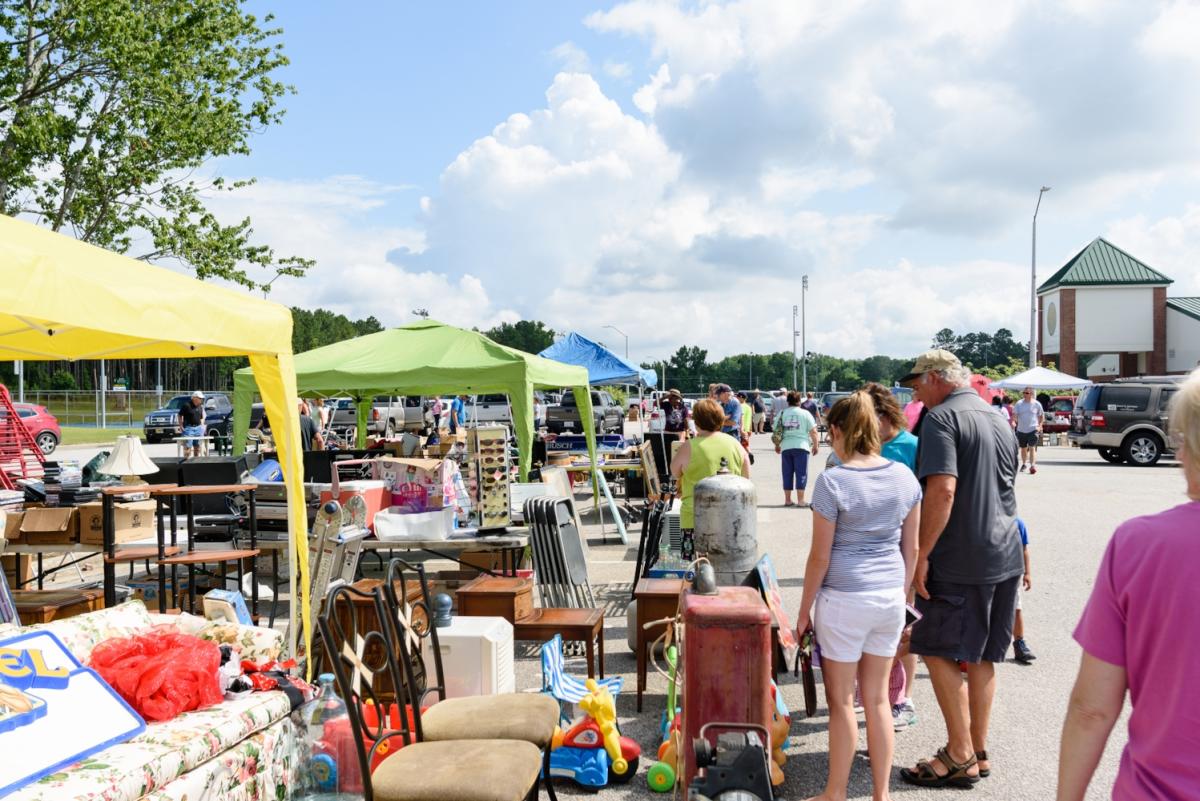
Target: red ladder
20	457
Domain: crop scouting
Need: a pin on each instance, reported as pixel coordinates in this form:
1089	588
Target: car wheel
151	440
1142	449
47	442
1111	455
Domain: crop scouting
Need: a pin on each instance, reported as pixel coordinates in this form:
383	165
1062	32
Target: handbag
808	676
777	431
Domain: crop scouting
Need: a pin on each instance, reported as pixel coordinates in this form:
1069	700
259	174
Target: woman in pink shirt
1140	633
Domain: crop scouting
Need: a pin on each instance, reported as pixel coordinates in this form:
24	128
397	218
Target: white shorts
849	624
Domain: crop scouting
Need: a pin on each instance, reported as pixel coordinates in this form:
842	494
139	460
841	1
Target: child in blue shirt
1020	649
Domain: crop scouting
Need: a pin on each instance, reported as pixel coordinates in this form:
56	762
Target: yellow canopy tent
63	299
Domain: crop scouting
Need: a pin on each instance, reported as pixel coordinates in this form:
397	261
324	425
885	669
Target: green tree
531	336
109	107
315	328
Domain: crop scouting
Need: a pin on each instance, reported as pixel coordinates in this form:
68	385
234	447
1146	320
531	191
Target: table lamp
129	461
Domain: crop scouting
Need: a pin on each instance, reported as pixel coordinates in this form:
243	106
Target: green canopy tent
426	358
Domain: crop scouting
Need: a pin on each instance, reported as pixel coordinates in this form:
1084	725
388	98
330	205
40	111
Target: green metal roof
1103	263
1188	306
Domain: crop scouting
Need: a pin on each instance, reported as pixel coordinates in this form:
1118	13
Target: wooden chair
511	716
395	761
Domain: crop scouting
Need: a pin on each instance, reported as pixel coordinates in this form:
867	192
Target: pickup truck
163	423
564	418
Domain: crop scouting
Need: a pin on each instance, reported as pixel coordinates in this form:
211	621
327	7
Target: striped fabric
867	507
562	686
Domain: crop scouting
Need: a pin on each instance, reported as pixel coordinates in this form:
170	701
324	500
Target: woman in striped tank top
865	517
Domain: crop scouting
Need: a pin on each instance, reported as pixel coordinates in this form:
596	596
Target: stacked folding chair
559	559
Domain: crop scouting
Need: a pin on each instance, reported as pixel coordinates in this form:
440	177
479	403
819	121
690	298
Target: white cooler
477	656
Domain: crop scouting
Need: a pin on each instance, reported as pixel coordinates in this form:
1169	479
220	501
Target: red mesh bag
162	673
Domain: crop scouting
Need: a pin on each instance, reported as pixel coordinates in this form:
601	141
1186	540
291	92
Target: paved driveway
1071	506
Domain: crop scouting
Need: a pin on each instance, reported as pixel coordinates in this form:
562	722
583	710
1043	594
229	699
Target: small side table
44	606
657	598
572	624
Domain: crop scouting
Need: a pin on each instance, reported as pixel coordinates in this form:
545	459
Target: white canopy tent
1041	378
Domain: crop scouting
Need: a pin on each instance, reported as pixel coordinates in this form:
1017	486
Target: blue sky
674	167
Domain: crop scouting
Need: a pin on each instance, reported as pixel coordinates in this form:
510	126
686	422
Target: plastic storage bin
391	524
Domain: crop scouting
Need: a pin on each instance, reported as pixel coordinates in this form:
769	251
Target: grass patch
95	436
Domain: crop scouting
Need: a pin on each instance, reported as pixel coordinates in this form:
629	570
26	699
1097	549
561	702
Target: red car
42	425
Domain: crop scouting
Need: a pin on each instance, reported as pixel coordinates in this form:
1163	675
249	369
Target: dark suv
1126	420
162	424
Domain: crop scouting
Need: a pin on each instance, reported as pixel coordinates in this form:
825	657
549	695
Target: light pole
803	330
795	311
751	379
1033	332
622	333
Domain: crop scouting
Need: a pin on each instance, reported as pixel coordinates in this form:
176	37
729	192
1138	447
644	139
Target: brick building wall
1068	358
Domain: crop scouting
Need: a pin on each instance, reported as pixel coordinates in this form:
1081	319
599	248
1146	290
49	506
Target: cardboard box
132	521
12	526
50	526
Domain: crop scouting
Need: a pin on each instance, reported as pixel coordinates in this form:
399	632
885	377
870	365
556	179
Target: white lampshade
128	459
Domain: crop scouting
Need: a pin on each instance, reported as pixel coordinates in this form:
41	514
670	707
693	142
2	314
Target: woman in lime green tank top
700	457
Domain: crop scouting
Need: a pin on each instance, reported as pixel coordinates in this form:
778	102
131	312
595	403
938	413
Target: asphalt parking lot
1071	508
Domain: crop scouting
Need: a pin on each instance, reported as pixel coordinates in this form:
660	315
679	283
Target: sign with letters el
53	710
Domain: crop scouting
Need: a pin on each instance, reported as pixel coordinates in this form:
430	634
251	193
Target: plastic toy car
592	753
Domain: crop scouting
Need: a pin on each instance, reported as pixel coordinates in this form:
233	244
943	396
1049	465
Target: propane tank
726	509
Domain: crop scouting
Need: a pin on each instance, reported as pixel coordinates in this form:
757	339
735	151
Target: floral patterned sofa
236	751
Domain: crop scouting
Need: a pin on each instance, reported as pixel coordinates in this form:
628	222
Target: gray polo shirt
965	438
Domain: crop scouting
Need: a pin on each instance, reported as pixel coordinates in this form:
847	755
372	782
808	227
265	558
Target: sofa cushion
82	633
165	751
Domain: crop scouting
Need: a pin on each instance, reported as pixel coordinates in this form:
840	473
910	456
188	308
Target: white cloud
891	151
570	57
618	69
1170	245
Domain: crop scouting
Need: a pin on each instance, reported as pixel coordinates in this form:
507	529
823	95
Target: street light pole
795	311
751	384
804	329
1033	326
622	333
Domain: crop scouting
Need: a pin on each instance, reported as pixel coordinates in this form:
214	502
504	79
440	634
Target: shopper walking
1028	416
310	435
732	408
760	412
865	518
436	409
675	414
969	564
778	402
796	438
701	457
191	423
809	405
747	417
458	408
1140	635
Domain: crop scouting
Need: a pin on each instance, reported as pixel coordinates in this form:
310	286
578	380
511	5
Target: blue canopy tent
603	366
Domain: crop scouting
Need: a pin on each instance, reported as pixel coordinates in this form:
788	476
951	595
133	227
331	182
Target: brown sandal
956	775
981	756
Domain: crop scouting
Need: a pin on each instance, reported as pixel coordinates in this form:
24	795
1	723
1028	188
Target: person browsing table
701	457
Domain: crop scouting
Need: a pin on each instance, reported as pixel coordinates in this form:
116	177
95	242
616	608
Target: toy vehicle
662	774
592	753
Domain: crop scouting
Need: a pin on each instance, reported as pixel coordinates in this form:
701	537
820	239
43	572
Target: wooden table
573	625
44	606
656	599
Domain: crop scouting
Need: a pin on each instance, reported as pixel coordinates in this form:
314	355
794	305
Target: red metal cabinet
726	646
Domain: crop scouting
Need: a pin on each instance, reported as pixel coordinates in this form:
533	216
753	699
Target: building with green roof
1105	305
